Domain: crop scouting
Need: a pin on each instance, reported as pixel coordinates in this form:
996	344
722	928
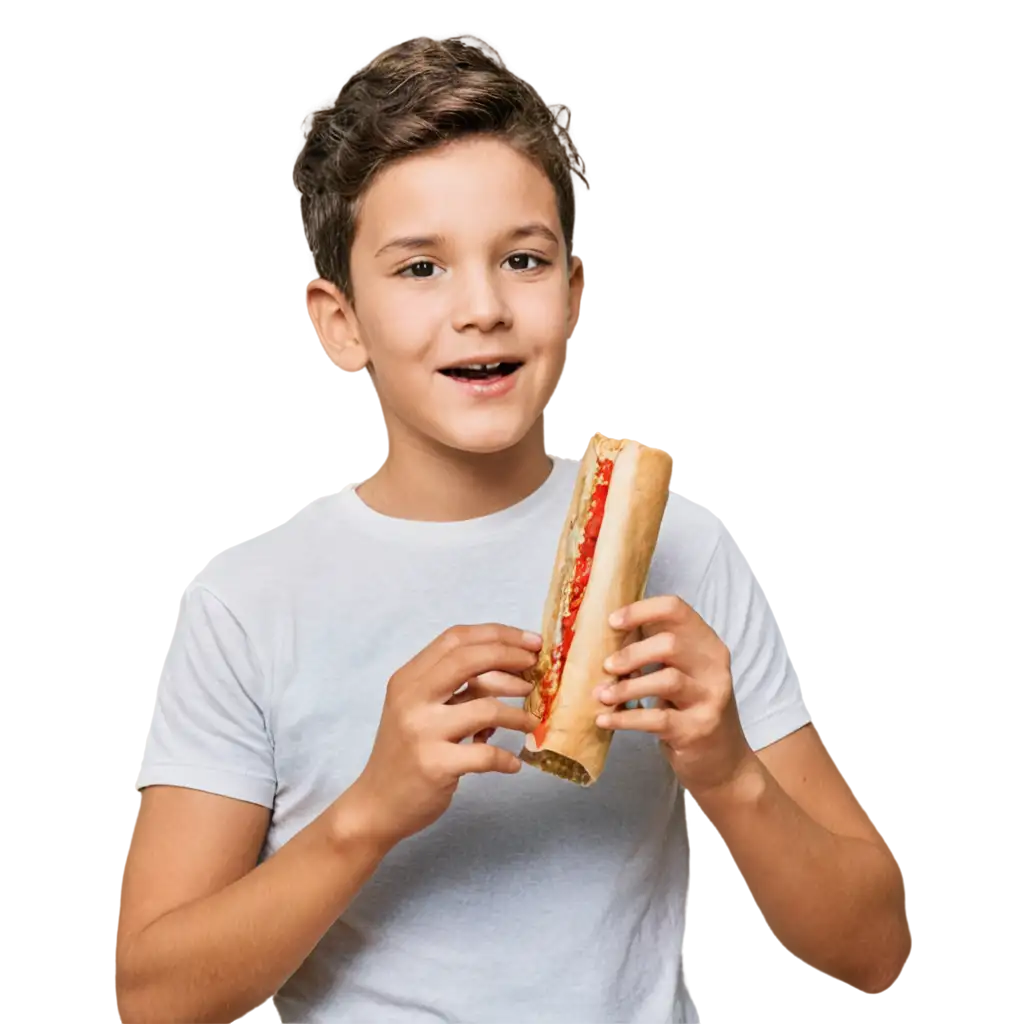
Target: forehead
473	184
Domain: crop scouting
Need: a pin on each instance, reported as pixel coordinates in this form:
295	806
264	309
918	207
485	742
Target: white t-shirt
531	898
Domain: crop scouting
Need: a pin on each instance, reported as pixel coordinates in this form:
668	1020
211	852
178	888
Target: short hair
413	97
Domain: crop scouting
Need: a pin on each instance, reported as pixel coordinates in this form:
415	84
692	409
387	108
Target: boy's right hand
418	757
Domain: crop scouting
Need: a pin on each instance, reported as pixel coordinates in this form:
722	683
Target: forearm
217	958
834	901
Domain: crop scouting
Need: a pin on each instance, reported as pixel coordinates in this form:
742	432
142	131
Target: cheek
542	320
399	342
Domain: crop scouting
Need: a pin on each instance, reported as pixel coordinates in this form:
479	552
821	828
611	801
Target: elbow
145	995
888	964
877	979
128	1008
133	1005
137	1007
876	972
893	944
136	999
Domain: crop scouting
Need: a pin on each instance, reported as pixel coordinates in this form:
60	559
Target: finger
492	684
486	713
668	684
467	662
482	757
663	648
664	608
658	721
460	636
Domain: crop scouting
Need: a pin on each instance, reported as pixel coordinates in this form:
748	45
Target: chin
483	438
486	445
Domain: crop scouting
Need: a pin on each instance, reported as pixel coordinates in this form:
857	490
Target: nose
480	301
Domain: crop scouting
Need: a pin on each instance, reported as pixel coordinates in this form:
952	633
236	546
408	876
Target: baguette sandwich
602	563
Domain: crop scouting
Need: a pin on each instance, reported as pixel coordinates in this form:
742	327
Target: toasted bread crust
563	566
574	747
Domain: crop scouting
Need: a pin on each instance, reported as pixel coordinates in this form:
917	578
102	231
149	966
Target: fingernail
610	663
532	638
616	619
603	693
604	721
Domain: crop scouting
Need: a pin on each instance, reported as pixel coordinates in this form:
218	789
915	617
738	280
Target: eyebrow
422	241
534	228
411	242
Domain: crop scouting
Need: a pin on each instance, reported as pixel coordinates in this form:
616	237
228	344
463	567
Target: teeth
484	369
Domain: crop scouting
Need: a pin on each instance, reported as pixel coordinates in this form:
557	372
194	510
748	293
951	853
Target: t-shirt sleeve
209	730
765	683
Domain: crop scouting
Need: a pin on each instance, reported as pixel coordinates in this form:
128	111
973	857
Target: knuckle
499	760
703	720
433	768
720	701
480	656
467	662
460	659
675	680
411	725
452	638
398	681
477	633
494	711
494	652
670	644
473	659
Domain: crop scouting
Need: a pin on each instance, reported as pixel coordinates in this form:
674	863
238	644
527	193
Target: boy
325	817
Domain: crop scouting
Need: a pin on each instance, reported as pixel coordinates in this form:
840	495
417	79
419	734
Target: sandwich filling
583	540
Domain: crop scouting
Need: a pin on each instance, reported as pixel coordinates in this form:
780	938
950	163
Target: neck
434	483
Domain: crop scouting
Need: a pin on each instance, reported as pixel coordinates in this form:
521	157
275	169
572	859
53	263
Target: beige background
158	394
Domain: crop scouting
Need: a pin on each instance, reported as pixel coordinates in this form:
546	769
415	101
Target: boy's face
475	294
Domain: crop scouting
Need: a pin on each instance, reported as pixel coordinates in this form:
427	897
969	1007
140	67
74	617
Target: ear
575	292
336	325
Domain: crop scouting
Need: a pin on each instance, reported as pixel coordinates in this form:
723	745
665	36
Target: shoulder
266	569
682	514
689	537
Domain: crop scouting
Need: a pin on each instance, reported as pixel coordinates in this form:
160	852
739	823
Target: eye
412	266
528	256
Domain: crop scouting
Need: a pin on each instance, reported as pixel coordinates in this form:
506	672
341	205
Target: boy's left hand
696	718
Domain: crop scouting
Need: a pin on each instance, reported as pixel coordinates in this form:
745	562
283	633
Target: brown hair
417	96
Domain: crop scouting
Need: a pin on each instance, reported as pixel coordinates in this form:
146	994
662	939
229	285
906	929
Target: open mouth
481	373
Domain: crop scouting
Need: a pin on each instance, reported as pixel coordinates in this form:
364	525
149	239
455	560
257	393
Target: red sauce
581	576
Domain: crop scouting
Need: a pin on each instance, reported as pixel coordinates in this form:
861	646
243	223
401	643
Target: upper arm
803	768
768	695
769	700
187	844
208	776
